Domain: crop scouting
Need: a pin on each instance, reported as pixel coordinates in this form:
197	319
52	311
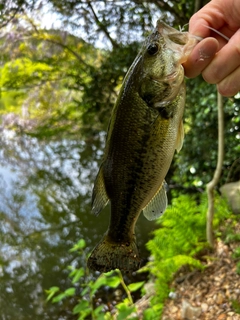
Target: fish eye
152	49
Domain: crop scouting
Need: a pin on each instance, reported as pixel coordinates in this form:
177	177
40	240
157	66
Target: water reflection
45	192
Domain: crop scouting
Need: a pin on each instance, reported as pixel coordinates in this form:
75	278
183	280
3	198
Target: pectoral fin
180	137
156	207
99	196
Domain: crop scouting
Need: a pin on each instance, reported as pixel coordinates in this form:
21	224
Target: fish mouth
170	78
180	43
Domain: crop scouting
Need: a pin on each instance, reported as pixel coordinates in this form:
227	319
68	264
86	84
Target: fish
146	127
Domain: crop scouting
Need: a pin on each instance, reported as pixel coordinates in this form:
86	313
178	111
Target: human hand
216	58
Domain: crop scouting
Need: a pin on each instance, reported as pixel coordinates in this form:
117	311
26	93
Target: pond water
45	195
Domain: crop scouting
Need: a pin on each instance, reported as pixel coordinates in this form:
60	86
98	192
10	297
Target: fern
180	237
182	230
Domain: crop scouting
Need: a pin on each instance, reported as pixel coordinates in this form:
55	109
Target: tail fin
108	255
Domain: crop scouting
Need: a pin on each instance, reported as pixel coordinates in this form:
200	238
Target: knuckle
211	75
227	88
222	90
237	49
235	43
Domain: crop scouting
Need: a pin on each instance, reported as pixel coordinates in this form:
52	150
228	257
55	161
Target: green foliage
177	242
236	255
124	310
230	235
197	160
42	77
236	306
85	288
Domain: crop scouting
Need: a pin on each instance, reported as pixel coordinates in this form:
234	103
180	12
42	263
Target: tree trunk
217	174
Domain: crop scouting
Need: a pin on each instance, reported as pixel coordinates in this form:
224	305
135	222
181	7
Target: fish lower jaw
108	256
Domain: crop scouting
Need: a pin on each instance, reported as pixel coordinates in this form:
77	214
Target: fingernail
207	51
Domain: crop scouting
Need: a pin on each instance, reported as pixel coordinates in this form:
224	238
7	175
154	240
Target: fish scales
144	132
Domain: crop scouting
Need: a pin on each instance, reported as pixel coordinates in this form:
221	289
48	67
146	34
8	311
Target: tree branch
10	17
102	27
64	46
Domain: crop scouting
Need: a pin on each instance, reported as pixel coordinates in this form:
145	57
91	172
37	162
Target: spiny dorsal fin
99	196
156	207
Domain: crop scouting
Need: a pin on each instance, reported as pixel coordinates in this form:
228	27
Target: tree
58	86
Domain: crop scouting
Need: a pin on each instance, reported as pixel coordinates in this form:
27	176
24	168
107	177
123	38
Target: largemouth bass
145	130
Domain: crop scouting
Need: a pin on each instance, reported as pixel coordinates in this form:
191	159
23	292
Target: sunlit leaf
85	291
78	246
70	292
78	275
113	282
51	292
98	312
124	310
135	286
101	281
59	297
83	305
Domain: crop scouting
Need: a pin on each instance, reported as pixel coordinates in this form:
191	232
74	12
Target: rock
204	307
219	298
227	294
174	309
189	312
172	295
210	301
232	193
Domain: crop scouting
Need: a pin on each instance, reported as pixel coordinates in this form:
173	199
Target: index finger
199	27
